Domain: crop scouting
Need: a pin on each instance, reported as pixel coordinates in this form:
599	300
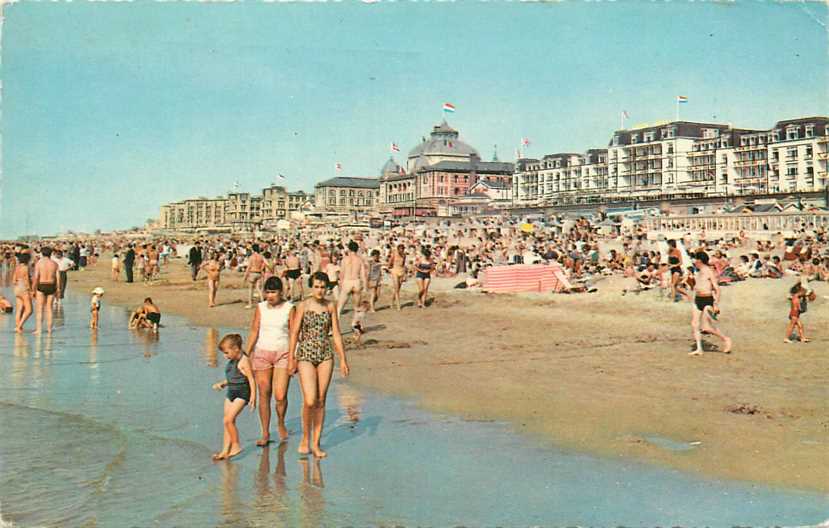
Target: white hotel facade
681	159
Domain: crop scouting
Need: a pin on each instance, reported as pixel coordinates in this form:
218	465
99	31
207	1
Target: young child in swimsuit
95	307
241	391
358	326
799	302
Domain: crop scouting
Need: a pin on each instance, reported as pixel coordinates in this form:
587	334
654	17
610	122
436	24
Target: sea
116	427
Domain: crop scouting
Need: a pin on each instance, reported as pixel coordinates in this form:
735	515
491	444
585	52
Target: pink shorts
265	359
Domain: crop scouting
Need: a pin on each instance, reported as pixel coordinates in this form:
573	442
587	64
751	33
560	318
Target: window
670	149
808	152
634	138
810	131
649	136
791	153
792	133
616	138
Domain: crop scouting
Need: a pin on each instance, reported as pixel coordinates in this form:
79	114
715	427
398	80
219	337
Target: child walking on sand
358	326
95	307
799	303
240	392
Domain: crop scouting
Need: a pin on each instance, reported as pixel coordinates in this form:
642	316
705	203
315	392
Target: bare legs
397	282
255	285
794	323
314	382
422	292
294	287
230	445
22	311
44	304
701	321
276	381
356	296
374	297
212	289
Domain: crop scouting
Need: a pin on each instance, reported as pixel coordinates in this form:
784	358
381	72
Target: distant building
347	195
236	212
681	159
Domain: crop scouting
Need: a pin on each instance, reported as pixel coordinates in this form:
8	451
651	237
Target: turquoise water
117	430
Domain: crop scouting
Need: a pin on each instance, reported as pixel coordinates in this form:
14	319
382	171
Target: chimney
474	159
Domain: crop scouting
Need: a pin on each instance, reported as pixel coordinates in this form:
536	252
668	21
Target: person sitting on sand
5	305
146	316
240	392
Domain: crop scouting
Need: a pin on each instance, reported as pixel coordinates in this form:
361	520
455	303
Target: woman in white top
268	350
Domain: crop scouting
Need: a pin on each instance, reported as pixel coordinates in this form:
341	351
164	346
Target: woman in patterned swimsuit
314	359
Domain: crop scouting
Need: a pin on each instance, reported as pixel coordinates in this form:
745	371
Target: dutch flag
681	98
395	148
449	107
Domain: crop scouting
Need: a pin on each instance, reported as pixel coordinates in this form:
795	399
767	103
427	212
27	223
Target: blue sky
110	109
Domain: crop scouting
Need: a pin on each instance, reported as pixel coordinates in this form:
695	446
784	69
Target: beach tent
527	228
524	278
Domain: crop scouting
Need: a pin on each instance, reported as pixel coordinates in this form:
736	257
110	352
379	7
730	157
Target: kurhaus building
439	171
681	159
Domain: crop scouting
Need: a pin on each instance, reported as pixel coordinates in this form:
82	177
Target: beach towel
525	278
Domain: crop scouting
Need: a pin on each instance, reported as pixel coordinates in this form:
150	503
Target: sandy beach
599	373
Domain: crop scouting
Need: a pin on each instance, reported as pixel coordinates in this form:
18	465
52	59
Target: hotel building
681	159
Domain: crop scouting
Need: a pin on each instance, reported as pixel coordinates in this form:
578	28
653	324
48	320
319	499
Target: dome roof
443	141
391	168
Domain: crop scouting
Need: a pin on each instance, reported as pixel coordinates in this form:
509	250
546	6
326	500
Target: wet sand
599	373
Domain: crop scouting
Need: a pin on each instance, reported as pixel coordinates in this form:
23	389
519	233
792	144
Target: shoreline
566	371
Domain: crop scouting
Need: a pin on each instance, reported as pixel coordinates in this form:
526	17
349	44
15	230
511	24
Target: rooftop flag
681	98
525	142
338	166
395	148
625	114
280	176
449	107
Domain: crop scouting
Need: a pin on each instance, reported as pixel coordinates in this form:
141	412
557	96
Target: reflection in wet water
146	429
232	508
311	492
351	402
270	502
211	350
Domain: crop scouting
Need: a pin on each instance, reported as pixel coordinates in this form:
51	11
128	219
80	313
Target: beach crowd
299	283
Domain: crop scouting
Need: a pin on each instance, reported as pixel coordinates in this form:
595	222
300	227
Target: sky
111	109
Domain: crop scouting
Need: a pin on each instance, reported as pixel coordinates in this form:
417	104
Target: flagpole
622	121
677	109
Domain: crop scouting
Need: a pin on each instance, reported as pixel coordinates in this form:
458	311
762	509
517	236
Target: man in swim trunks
46	282
706	304
354	275
152	313
253	274
293	273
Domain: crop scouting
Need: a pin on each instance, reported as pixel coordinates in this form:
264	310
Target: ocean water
116	429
